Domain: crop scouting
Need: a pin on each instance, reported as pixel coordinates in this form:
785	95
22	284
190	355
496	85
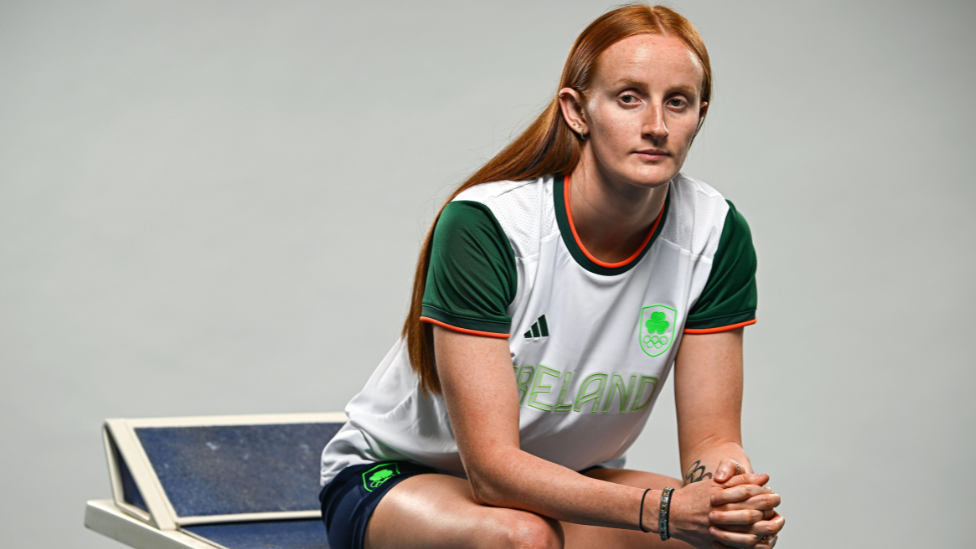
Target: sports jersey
591	342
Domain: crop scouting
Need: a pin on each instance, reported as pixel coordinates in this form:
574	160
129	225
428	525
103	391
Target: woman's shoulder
523	210
691	189
510	190
697	215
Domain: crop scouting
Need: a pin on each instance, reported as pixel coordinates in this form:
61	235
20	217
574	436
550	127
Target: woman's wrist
650	512
663	514
708	463
688	515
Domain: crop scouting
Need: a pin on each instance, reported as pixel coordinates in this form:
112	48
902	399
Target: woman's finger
760	502
773	526
770	527
727	469
737	494
746	478
735	539
768	544
727	518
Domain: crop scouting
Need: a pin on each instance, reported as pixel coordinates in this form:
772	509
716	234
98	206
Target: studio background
215	208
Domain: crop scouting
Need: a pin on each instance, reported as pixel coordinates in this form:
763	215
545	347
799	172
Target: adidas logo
539	329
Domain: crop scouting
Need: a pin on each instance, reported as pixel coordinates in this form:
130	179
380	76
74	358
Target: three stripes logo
539	329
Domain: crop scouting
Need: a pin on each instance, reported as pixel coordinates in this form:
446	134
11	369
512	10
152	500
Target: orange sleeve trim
462	330
572	226
720	328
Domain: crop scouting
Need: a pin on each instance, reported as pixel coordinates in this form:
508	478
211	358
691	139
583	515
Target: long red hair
548	145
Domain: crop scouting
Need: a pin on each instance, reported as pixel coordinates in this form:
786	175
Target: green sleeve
471	279
729	297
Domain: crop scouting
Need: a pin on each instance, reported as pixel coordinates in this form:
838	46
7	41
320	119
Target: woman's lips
652	154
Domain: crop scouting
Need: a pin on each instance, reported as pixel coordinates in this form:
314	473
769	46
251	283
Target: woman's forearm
513	478
484	413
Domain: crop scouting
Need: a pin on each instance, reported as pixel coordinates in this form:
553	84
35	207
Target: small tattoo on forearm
696	473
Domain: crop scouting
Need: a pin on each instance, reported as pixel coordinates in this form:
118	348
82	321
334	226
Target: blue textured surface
279	534
236	469
130	492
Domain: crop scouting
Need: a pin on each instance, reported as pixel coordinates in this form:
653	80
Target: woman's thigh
437	511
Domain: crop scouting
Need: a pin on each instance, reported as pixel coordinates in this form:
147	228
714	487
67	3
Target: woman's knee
525	530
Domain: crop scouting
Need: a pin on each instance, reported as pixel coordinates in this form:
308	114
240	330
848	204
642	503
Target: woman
554	292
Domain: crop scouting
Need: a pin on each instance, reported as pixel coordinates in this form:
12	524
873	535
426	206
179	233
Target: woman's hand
741	518
729	468
709	514
692	506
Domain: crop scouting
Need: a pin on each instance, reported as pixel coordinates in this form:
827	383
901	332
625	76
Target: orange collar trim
572	226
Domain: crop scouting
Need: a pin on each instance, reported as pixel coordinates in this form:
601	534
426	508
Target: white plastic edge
161	512
104	517
263	419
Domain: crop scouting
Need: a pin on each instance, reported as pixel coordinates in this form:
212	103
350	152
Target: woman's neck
611	218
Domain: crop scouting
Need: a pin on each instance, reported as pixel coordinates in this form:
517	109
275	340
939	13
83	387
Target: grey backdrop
214	208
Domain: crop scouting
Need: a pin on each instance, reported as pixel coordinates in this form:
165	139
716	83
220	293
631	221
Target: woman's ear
571	105
702	111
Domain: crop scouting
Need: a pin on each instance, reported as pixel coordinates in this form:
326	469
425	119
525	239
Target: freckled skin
644	98
645	94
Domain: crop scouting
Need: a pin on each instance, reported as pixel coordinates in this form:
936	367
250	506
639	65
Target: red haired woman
554	292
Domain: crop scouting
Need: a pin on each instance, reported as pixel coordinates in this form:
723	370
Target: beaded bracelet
662	523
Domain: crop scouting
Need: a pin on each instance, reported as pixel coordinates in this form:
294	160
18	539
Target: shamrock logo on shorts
376	476
379	477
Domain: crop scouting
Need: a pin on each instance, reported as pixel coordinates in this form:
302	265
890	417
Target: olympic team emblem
375	477
657	329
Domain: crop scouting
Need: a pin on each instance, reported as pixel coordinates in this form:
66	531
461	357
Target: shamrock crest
657	323
380	477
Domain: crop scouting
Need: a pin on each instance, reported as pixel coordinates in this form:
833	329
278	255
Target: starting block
225	482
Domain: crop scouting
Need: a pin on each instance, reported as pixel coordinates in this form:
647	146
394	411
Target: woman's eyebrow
687	90
690	91
629	83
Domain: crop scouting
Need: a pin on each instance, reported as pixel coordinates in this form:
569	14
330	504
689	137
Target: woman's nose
654	126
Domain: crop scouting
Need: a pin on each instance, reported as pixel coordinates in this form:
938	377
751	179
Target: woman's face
642	109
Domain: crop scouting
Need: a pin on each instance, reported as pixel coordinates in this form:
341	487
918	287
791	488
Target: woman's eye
628	99
676	102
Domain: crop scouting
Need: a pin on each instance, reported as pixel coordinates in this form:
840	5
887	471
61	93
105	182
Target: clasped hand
730	511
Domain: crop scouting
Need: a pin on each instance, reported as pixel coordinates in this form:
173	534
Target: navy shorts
349	500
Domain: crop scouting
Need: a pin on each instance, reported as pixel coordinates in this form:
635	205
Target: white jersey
591	343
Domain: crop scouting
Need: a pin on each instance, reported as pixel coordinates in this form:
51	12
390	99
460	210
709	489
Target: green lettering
644	382
523	381
582	397
617	385
537	388
560	405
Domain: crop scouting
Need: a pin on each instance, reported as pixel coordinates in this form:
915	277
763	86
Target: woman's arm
479	388
708	398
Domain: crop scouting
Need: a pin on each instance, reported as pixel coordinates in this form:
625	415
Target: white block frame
105	517
119	435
